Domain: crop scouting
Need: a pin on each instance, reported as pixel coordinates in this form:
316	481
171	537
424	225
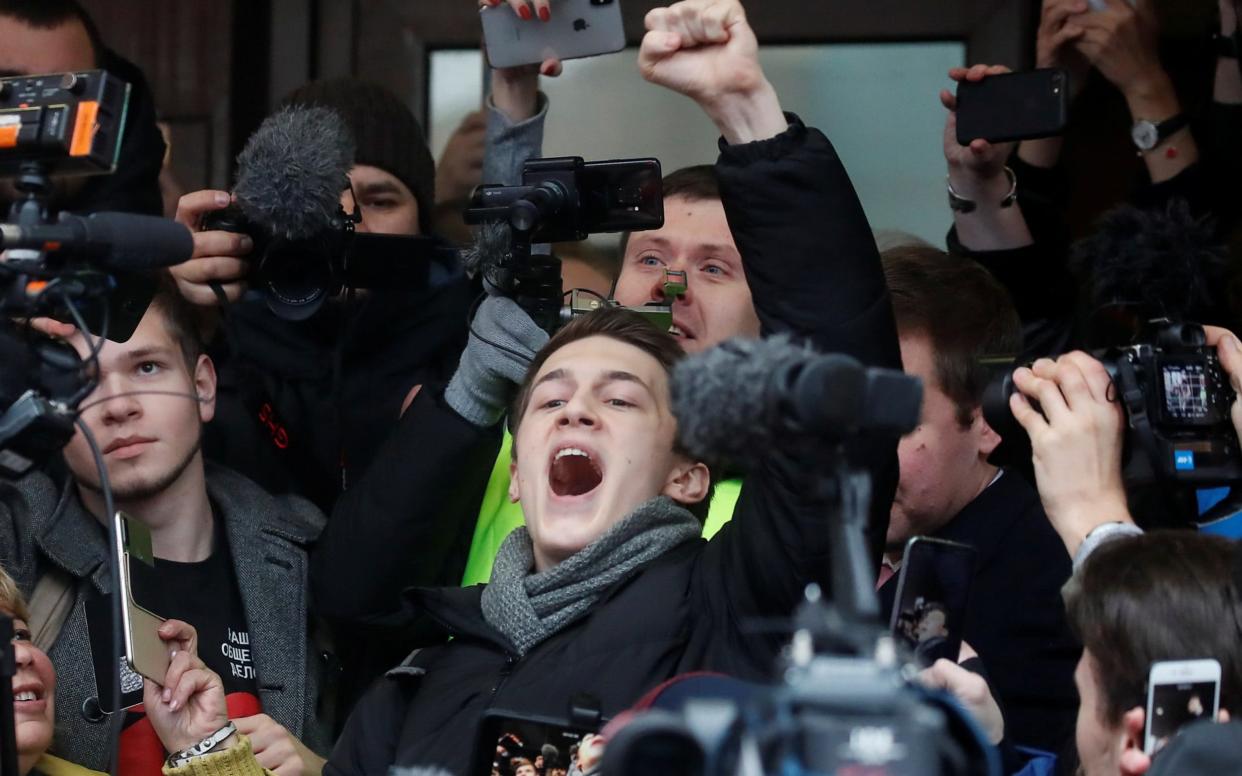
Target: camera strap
1132	400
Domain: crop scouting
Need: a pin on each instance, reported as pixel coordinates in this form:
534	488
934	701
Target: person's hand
276	749
217	254
1054	41
1076	440
1121	42
706	50
971	690
460	168
977	171
1229	351
189	704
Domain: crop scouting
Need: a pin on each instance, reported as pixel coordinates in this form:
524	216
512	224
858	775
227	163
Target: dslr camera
1176	399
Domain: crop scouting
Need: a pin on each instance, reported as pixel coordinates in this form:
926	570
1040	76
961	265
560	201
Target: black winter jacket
303	406
814	272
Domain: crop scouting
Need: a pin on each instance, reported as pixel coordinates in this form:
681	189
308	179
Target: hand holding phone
565	29
933	590
1013	106
1179	692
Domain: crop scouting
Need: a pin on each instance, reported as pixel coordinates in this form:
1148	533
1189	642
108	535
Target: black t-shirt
205	595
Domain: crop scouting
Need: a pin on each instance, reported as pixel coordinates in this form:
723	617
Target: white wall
877	102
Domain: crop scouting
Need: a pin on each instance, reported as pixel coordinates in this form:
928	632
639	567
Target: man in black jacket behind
1015	619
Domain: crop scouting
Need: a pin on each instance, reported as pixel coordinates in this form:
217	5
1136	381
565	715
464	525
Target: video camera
1176	399
80	270
566	199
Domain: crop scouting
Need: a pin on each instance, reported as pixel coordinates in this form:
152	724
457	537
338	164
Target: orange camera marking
84	128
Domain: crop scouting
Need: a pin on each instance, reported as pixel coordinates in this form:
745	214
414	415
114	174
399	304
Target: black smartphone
622	196
1013	106
933	590
518	745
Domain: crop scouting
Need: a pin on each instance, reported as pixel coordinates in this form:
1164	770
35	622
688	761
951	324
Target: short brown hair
12	602
180	317
961	308
615	323
1166	595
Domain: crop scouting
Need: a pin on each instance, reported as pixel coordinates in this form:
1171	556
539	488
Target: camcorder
62	124
1176	399
565	199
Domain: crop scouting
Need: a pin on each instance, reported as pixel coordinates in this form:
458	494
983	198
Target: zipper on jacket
505	670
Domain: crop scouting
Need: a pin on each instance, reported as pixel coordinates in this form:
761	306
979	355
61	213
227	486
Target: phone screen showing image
933	590
1176	704
515	746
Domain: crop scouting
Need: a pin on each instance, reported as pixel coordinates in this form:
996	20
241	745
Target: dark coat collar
988	521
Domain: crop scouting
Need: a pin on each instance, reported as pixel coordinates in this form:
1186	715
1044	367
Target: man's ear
205	388
688	483
1133	761
515	494
987	438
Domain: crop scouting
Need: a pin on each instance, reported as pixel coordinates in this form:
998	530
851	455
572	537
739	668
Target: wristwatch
1148	134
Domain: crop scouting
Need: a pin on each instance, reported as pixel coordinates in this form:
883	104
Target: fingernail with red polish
545	13
524	12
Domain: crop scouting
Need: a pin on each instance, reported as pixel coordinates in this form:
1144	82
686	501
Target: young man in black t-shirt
230	559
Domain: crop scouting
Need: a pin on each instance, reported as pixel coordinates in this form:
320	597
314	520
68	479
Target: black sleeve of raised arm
409	520
814	272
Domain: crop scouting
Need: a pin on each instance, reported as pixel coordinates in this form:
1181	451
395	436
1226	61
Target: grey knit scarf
528	608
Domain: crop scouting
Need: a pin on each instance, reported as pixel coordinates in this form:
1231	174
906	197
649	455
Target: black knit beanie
385	131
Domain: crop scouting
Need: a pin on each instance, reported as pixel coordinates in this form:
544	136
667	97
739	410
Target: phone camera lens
601	2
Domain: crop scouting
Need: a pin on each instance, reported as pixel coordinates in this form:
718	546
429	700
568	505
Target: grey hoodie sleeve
509	145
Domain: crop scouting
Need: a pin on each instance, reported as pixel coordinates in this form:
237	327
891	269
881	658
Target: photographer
305	404
228	558
56	36
786	195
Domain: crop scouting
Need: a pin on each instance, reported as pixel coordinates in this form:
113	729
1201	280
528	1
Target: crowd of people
373	526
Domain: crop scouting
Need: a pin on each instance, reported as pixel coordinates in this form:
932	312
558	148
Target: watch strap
178	759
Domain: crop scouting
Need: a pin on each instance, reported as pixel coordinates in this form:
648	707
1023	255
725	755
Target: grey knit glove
487	376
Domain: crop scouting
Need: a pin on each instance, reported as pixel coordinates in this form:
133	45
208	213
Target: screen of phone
1176	704
933	590
516	746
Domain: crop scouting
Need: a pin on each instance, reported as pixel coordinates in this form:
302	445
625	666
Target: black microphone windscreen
1161	262
292	172
130	242
724	399
492	241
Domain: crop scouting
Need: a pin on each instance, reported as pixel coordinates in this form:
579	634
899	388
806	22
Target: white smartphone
578	28
145	652
1179	692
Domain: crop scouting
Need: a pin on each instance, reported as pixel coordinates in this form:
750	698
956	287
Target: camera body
296	276
1176	399
67	123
